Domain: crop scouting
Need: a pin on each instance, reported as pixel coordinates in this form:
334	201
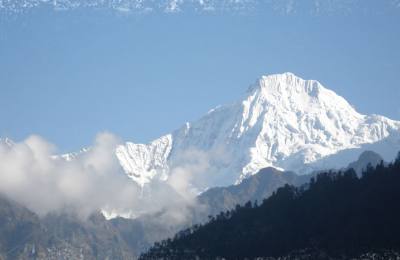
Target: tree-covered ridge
337	213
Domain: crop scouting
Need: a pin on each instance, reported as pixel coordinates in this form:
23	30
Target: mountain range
282	121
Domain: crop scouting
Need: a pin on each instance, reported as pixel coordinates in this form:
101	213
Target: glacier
282	121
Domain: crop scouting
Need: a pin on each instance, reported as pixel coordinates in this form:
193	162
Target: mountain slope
339	216
282	121
145	230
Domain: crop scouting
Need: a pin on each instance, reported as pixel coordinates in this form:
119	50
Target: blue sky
69	74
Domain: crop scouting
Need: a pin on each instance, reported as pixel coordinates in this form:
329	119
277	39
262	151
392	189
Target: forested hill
337	215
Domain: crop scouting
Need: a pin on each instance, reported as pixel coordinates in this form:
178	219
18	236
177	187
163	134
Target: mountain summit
283	121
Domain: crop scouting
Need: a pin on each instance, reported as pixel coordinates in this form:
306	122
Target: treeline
337	213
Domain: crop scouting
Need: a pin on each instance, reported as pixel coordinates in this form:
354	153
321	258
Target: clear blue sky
66	75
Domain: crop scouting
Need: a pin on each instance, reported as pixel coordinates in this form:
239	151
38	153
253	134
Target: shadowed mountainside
338	215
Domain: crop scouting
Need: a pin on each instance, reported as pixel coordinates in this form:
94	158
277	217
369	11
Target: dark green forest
337	213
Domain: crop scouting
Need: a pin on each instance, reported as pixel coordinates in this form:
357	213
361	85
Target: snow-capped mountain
282	121
7	142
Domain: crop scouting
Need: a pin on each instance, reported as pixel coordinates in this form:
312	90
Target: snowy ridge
142	162
72	156
283	121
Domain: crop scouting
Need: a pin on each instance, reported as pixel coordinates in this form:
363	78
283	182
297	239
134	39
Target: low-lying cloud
30	175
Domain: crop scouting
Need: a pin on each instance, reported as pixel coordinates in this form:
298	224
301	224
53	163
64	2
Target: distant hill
366	158
262	184
254	188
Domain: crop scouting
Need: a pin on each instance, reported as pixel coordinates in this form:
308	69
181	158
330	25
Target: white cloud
30	176
93	180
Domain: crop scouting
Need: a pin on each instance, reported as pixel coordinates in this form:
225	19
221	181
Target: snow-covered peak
288	84
273	81
280	89
285	102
